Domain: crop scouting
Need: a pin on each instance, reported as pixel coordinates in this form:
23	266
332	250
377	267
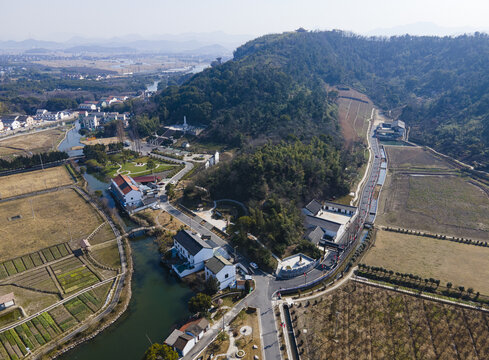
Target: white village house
213	160
126	190
221	269
192	250
183	340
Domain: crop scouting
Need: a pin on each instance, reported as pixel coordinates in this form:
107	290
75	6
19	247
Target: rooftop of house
172	338
313	222
182	341
6	298
314	234
195	327
191	242
216	263
125	183
314	206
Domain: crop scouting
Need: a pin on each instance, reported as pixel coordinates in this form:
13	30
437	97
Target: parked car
253	265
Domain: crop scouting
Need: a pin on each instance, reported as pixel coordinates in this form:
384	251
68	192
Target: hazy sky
61	19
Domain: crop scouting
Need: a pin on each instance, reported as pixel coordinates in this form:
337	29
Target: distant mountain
423	28
215	43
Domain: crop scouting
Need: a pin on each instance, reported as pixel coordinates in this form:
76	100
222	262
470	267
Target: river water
158	301
72	139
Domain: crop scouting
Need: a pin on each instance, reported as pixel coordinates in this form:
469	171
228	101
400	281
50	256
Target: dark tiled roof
195	327
170	340
182	341
313	222
314	206
191	242
315	235
216	264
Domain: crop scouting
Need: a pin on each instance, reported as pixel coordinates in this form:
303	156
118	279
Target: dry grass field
448	261
447	205
31	301
374	323
104	141
413	158
29	224
32	181
418	194
38	142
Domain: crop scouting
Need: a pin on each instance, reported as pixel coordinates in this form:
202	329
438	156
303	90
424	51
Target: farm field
108	255
30	300
448	261
420	193
375	323
32	181
73	275
40	221
353	116
38	142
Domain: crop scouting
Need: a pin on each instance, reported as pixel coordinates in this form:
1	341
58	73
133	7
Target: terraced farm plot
31	300
9	316
44	220
353	118
375	323
78	309
38	279
32	181
73	275
104	234
108	255
63	318
414	158
37	142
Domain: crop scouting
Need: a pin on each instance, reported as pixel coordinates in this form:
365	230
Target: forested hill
274	86
442	84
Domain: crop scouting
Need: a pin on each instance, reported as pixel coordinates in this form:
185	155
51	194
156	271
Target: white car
253	265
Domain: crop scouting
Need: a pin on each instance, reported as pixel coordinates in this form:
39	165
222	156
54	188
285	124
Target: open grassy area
31	301
32	181
448	261
137	167
447	205
38	142
9	316
28	224
373	323
108	255
414	158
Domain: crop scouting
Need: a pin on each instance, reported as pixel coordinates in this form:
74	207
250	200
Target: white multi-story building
193	250
126	191
221	269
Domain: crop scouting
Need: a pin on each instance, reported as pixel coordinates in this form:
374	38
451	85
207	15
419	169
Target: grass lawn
406	158
9	316
44	220
108	255
31	181
137	167
246	342
448	261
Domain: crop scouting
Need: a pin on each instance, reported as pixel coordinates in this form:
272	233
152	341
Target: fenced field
359	321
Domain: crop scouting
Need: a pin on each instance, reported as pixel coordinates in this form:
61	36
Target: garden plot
38	280
44	220
78	309
73	275
359	321
63	318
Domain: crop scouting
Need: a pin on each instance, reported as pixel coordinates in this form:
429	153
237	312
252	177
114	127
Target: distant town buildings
92	120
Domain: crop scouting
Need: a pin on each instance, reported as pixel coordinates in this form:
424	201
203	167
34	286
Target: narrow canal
158	301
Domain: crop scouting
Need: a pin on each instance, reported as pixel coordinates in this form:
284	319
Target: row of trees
21	162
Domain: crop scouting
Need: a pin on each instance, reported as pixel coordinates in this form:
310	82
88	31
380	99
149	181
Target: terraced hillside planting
32	181
29	224
353	116
359	321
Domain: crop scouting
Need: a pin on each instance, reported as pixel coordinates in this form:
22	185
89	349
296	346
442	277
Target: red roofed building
126	190
147	179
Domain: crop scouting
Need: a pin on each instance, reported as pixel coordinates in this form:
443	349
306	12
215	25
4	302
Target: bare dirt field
373	323
32	181
448	205
104	141
29	224
448	261
38	142
413	158
31	301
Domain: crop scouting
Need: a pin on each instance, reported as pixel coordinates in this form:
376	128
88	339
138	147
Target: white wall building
7	301
126	190
212	160
221	269
91	122
193	250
